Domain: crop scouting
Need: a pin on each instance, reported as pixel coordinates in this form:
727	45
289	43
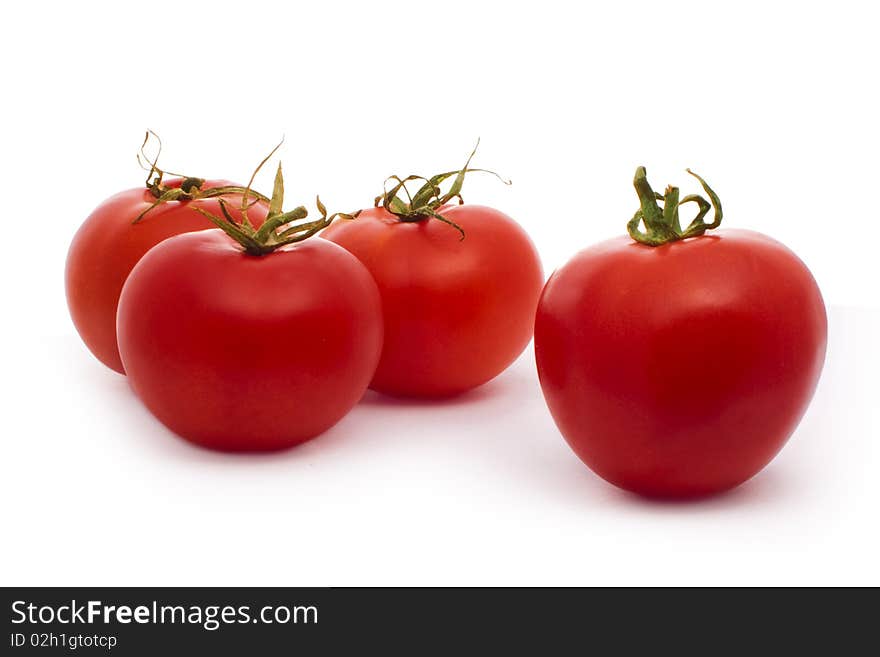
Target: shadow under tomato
347	429
768	486
475	395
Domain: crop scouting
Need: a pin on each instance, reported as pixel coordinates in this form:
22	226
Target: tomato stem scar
664	225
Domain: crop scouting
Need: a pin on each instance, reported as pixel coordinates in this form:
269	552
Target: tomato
456	312
680	369
249	346
110	243
459	288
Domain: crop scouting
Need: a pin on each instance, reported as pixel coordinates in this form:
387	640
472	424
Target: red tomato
457	311
109	244
682	369
242	352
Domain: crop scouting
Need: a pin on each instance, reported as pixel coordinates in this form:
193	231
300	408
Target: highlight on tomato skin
677	365
459	286
250	338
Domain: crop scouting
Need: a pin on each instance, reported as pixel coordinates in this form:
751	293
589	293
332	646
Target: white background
774	103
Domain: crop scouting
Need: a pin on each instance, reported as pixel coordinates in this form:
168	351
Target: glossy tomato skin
249	353
108	245
680	370
456	312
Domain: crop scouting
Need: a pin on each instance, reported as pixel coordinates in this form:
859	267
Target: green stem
664	226
279	228
429	198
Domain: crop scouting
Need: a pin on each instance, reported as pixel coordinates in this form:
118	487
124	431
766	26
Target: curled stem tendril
190	188
426	202
664	225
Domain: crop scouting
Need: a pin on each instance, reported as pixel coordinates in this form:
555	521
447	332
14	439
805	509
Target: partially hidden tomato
250	340
459	288
678	363
117	234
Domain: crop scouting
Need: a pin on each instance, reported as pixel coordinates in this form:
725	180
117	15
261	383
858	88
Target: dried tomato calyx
426	202
664	225
190	187
279	227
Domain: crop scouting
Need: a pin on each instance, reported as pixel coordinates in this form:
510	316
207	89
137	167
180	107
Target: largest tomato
459	288
678	363
255	340
117	234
